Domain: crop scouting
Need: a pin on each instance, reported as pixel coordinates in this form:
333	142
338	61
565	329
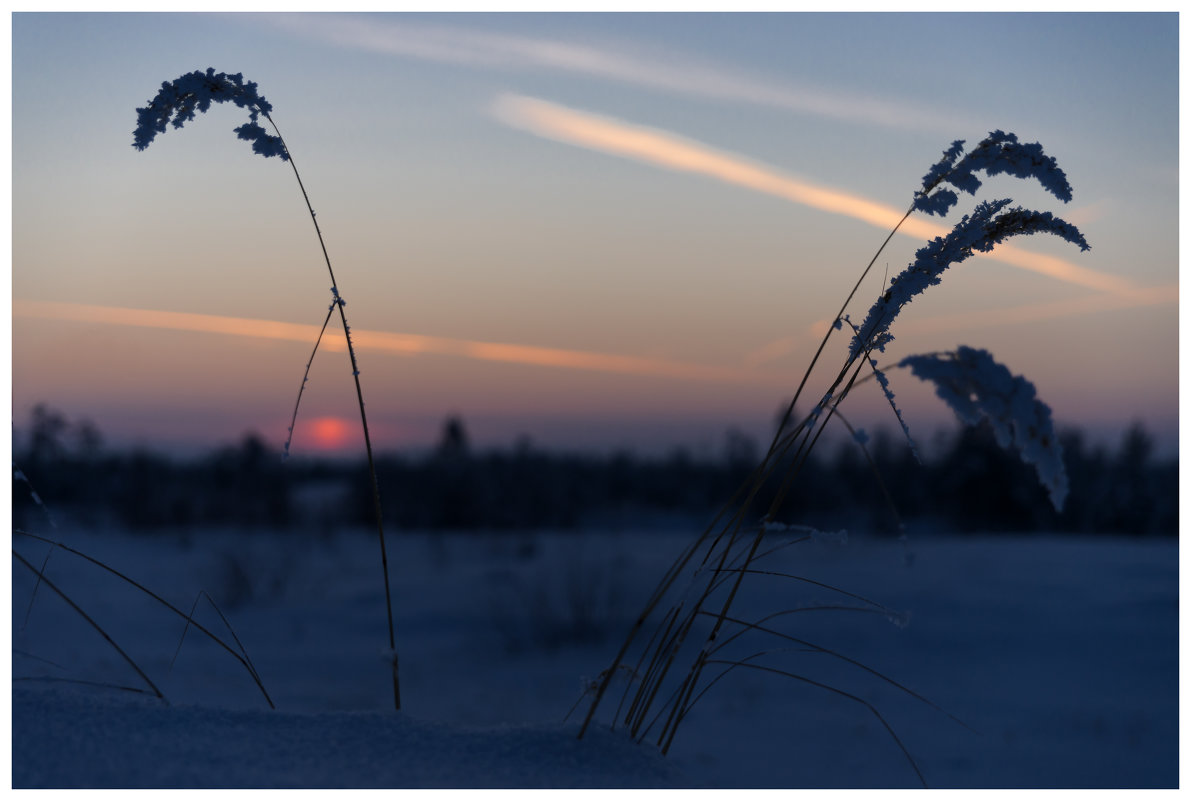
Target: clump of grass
691	610
175	104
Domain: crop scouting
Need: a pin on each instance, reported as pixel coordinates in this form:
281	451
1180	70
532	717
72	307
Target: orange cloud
667	150
390	342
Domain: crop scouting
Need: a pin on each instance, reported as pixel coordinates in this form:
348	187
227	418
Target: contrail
667	150
668	72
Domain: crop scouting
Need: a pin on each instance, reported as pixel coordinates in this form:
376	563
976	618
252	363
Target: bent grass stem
351	351
55	589
190	621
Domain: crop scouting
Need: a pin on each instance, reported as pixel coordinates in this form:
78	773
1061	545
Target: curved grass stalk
729	547
176	103
692	678
745	663
289	438
91	621
45	563
339	303
188	618
84	682
746	626
872	465
227	624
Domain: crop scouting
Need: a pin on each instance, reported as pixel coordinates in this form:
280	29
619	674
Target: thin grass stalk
671	653
735	525
53	587
747	626
45	563
662	632
660	591
677	713
339	303
188	618
227	624
302	388
688	683
758	478
692	678
751	487
744	663
670	703
810	441
652	685
36	658
799	610
872	465
840	314
778	449
795	577
85	682
660	663
782	546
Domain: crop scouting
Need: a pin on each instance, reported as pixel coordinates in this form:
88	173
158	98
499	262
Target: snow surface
1061	654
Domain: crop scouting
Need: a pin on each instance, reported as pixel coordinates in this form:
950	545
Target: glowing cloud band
391	342
663	149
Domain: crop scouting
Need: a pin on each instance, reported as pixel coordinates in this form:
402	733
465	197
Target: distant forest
970	486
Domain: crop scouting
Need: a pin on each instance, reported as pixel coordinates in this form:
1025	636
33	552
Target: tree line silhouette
970	486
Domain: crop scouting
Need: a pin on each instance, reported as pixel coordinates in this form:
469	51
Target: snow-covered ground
1060	655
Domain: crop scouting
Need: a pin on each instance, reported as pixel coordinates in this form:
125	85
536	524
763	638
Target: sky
597	231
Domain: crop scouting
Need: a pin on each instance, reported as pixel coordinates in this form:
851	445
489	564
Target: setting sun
329	433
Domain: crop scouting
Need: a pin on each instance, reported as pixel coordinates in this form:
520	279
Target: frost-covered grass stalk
690	611
175	104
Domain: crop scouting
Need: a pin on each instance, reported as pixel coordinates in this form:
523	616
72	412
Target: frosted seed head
977	387
177	101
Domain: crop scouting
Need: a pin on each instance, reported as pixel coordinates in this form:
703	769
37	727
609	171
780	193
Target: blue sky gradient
600	230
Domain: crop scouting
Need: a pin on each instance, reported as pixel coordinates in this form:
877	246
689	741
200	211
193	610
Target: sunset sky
598	231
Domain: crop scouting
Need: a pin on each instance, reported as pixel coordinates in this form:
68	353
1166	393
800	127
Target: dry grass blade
730	550
188	618
37	658
744	663
84	682
227	624
305	377
755	572
197	91
872	466
747	626
53	587
339	303
36	585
